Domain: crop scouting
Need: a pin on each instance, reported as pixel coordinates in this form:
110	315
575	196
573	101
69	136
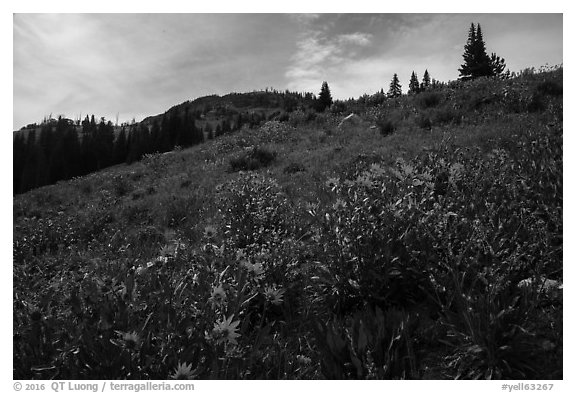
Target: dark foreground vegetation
428	247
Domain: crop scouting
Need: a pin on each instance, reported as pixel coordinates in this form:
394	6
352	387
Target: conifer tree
477	63
498	65
425	80
324	98
395	87
121	147
414	85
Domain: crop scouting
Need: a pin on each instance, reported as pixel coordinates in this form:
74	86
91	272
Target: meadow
423	243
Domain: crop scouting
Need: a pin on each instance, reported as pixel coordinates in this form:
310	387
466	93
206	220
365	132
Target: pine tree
324	98
395	87
121	147
209	131
498	65
414	85
425	81
482	59
477	63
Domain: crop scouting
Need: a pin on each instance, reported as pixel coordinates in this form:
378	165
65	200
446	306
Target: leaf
358	364
362	338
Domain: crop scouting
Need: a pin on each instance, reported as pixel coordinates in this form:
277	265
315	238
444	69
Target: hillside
423	242
61	149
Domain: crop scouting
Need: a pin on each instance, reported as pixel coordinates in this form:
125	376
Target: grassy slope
78	244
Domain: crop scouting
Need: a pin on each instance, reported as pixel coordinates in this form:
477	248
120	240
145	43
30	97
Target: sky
136	65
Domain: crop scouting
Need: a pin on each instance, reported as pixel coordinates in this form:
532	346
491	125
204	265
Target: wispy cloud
361	39
317	56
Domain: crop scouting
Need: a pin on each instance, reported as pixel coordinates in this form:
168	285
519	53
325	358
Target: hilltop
423	241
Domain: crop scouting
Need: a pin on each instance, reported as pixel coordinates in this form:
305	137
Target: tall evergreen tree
19	158
477	63
324	98
414	85
425	80
120	147
209	131
395	89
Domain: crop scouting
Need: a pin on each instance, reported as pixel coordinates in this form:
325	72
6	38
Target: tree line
60	149
477	63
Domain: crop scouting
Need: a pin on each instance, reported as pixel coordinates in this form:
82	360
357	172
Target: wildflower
184	371
131	340
209	231
339	204
377	170
331	183
303	360
274	295
456	171
255	268
240	254
218	296
226	331
169	250
364	180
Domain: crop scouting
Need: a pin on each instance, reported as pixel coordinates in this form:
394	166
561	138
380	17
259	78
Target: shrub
294	167
385	126
338	107
371	344
550	88
446	115
424	122
428	100
297	118
254	210
121	185
252	159
537	103
284	117
175	210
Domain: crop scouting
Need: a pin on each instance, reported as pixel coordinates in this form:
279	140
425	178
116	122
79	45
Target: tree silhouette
414	85
498	64
425	81
395	89
324	98
477	63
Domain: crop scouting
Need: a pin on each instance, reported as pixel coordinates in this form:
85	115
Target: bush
550	88
253	159
175	210
428	100
385	126
297	118
294	167
424	122
121	185
446	115
253	209
338	107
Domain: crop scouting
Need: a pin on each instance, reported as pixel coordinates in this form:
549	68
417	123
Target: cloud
304	18
318	56
362	39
